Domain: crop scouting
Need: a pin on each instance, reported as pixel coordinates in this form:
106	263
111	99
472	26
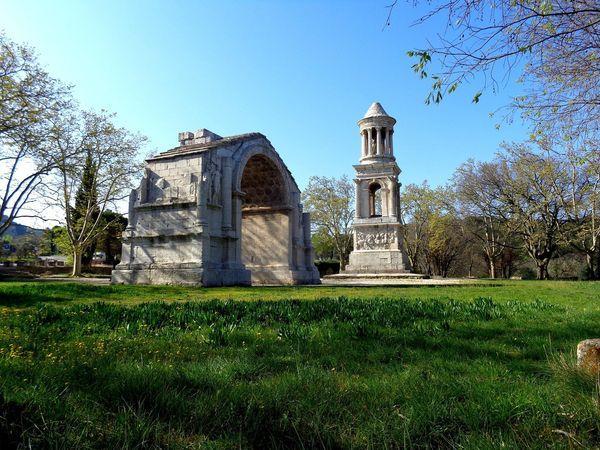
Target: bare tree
531	186
582	202
330	202
552	44
29	98
480	205
90	144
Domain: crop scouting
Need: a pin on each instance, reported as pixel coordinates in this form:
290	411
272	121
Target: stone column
226	192
357	208
387	149
144	188
385	201
391	143
201	194
307	243
127	250
237	228
363	139
132	199
379	143
394	200
294	225
369	141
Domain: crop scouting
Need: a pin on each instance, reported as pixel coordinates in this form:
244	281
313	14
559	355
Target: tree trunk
76	263
492	268
589	259
542	272
471	266
342	260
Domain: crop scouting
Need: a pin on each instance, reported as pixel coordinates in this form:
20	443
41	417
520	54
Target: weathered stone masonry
217	211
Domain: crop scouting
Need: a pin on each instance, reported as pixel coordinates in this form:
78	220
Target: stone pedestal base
377	261
199	276
181	276
283	275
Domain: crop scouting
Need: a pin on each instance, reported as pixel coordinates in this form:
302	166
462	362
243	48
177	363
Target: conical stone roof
376	110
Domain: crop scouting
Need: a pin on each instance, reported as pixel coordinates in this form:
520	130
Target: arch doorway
375	200
265	236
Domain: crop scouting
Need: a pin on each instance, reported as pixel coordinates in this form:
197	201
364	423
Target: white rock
588	355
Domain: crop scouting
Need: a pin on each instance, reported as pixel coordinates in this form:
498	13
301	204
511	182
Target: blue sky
300	72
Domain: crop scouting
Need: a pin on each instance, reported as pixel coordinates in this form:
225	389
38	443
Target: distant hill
17	229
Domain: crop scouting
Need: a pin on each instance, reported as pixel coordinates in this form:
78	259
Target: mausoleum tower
377	228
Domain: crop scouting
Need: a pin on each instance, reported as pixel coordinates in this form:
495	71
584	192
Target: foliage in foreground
334	372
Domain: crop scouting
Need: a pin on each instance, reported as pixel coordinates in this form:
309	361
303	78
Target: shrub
328	267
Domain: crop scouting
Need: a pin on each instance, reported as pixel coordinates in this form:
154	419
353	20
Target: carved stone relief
167	192
374	240
211	180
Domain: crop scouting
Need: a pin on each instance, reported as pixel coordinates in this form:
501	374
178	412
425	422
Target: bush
328	267
585	273
527	273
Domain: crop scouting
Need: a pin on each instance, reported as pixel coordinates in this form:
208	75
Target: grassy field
479	366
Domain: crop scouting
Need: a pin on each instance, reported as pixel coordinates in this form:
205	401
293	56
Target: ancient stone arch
217	211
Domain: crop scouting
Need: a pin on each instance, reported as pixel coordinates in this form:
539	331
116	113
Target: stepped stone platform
378	276
387	279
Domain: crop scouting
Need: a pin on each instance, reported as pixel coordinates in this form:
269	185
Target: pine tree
86	199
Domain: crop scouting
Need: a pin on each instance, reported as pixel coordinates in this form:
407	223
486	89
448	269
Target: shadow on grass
29	294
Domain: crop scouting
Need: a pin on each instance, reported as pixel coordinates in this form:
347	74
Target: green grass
477	366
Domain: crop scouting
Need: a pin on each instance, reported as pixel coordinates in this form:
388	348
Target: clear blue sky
302	73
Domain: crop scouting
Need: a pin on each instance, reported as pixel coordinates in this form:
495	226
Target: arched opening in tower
375	200
265	220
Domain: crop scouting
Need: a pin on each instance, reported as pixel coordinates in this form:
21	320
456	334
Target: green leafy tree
330	202
48	243
416	208
431	232
109	241
86	203
445	242
27	246
63	243
323	244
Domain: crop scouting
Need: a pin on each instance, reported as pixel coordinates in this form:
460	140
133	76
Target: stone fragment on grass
588	355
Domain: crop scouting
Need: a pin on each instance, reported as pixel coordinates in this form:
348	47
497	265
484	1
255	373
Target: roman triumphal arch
217	211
